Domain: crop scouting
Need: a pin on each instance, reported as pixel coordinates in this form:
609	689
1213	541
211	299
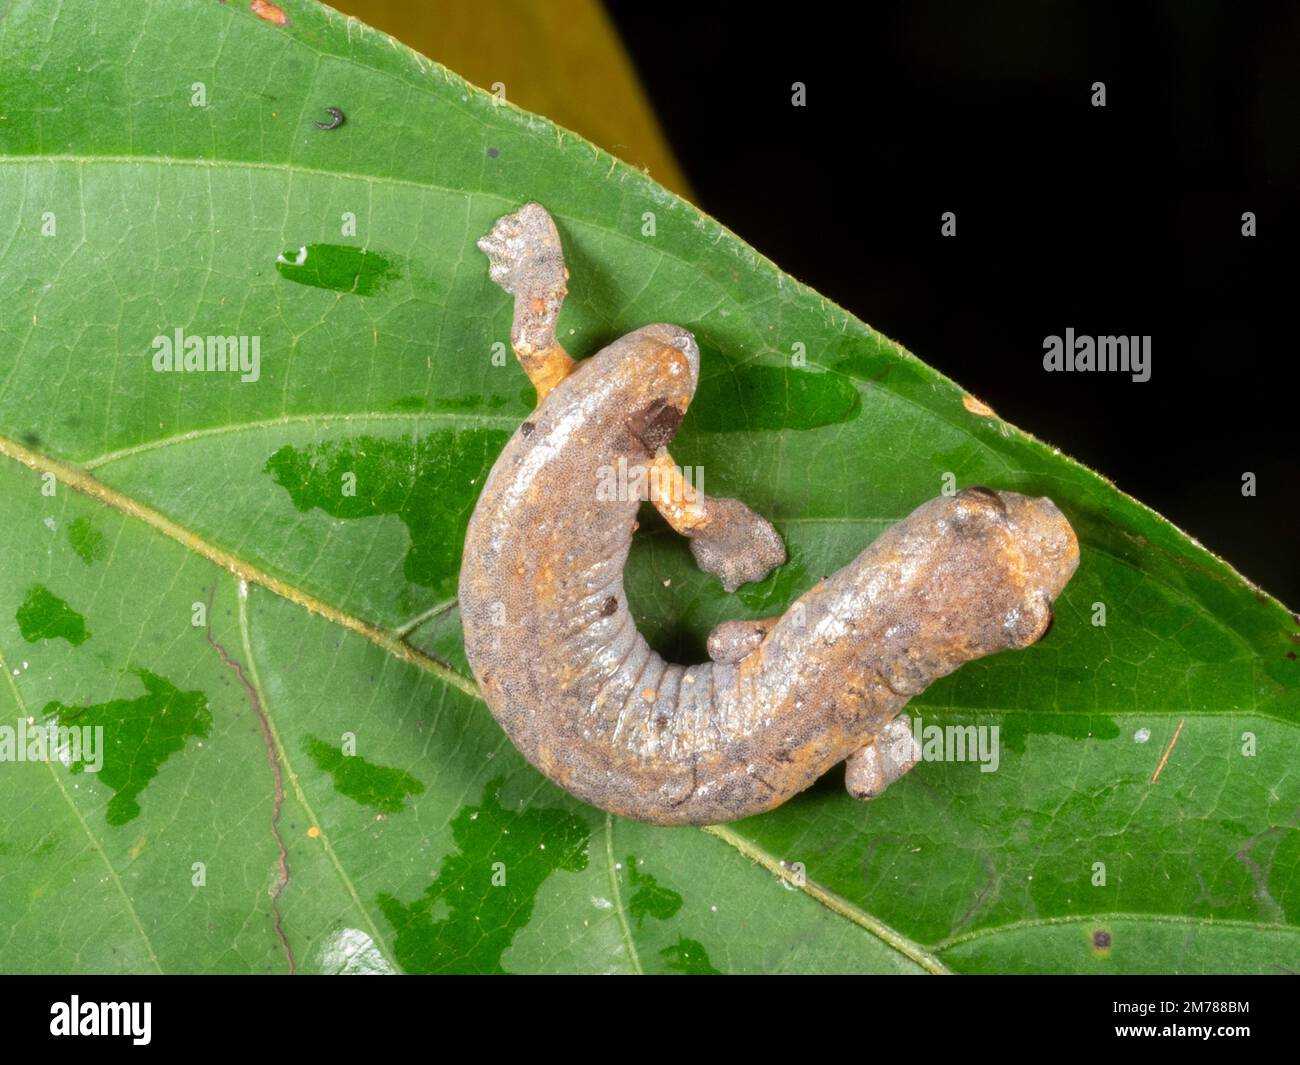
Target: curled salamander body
577	688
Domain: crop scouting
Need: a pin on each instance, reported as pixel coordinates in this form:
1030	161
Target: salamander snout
683	340
1048	543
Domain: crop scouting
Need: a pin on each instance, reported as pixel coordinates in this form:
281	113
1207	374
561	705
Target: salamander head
963	576
1010	556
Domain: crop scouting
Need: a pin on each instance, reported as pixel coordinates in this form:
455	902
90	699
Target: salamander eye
980	493
975	509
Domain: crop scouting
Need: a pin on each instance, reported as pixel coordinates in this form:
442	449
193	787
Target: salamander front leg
870	770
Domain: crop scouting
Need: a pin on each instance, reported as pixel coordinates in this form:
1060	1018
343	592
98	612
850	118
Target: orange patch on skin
674	498
547	764
976	407
545	585
648	694
547	369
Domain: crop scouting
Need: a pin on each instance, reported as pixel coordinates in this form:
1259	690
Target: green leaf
296	770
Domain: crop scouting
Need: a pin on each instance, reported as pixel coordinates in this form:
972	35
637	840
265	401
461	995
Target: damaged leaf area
247	578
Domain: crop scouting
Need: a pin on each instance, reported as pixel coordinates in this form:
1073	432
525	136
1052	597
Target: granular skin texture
580	692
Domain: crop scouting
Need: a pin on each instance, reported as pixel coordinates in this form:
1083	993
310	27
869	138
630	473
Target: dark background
1117	220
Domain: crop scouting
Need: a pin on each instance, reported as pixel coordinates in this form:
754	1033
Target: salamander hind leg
870	770
525	259
736	545
727	538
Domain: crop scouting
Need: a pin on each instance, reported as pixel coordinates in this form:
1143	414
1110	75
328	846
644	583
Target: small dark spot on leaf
493	153
1101	939
86	540
336	119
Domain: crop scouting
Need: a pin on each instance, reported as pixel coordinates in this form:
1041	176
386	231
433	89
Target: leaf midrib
80	481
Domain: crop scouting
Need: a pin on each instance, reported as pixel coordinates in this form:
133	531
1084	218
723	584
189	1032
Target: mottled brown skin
579	691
